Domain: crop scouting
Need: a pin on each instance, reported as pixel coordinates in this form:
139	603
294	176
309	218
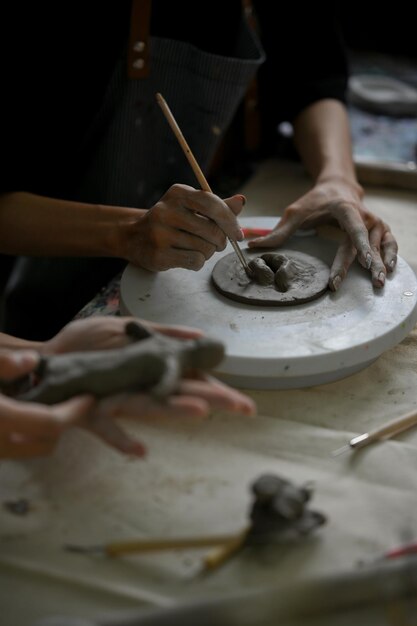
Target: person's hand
105	333
183	229
196	397
17	363
33	429
340	202
30	429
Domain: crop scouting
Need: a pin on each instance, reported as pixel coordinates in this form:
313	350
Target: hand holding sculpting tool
195	167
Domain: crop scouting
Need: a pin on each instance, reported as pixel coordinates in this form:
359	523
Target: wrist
339	178
125	228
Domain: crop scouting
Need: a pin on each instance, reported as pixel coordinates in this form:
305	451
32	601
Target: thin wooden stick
222	553
194	165
128	547
154	545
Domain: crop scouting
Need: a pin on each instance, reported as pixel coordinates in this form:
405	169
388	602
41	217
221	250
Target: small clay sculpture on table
280	507
279	513
152	362
273	278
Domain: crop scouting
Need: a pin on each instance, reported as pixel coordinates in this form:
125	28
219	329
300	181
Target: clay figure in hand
152	362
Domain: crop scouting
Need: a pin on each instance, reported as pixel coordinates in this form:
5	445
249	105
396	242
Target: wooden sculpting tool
222	553
143	546
195	167
278	507
392	428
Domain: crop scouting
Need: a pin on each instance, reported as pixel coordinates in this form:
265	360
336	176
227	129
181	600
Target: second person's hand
367	237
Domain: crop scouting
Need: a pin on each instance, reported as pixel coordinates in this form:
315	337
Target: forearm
322	138
8	342
33	225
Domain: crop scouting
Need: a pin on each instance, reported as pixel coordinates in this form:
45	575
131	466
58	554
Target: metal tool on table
392	428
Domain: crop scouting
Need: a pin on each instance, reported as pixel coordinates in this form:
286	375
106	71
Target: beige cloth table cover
196	479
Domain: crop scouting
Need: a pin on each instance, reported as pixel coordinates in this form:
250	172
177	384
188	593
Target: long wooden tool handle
392	428
158	545
218	556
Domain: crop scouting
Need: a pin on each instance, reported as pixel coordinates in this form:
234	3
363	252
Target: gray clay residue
274	278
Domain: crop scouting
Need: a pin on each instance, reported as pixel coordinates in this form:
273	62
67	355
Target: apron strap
252	122
138	60
138	51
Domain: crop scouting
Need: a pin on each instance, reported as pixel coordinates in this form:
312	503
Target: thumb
16	363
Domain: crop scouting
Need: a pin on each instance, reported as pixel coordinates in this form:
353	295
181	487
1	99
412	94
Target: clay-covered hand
183	229
366	236
106	332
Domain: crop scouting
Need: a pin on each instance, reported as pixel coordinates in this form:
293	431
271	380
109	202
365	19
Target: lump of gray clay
261	272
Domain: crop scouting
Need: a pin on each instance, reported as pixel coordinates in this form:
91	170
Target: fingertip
335	282
192	406
392	265
379	281
25	358
135	449
366	260
244	405
249	409
240	197
79	405
264	242
200	409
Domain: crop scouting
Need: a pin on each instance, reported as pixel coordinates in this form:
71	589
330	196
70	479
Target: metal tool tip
83	549
341	450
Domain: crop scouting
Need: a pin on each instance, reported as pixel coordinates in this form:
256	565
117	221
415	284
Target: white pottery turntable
307	344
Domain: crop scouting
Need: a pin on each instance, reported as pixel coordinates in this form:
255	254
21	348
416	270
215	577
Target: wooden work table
197	476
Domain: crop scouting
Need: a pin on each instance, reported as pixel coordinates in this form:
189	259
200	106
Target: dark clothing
58	70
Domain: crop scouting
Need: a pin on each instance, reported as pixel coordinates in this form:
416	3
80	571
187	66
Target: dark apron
135	159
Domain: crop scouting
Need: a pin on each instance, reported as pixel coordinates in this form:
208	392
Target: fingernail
335	282
381	278
368	261
242	198
241	235
391	264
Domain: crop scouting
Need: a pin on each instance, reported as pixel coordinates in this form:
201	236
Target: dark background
379	29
